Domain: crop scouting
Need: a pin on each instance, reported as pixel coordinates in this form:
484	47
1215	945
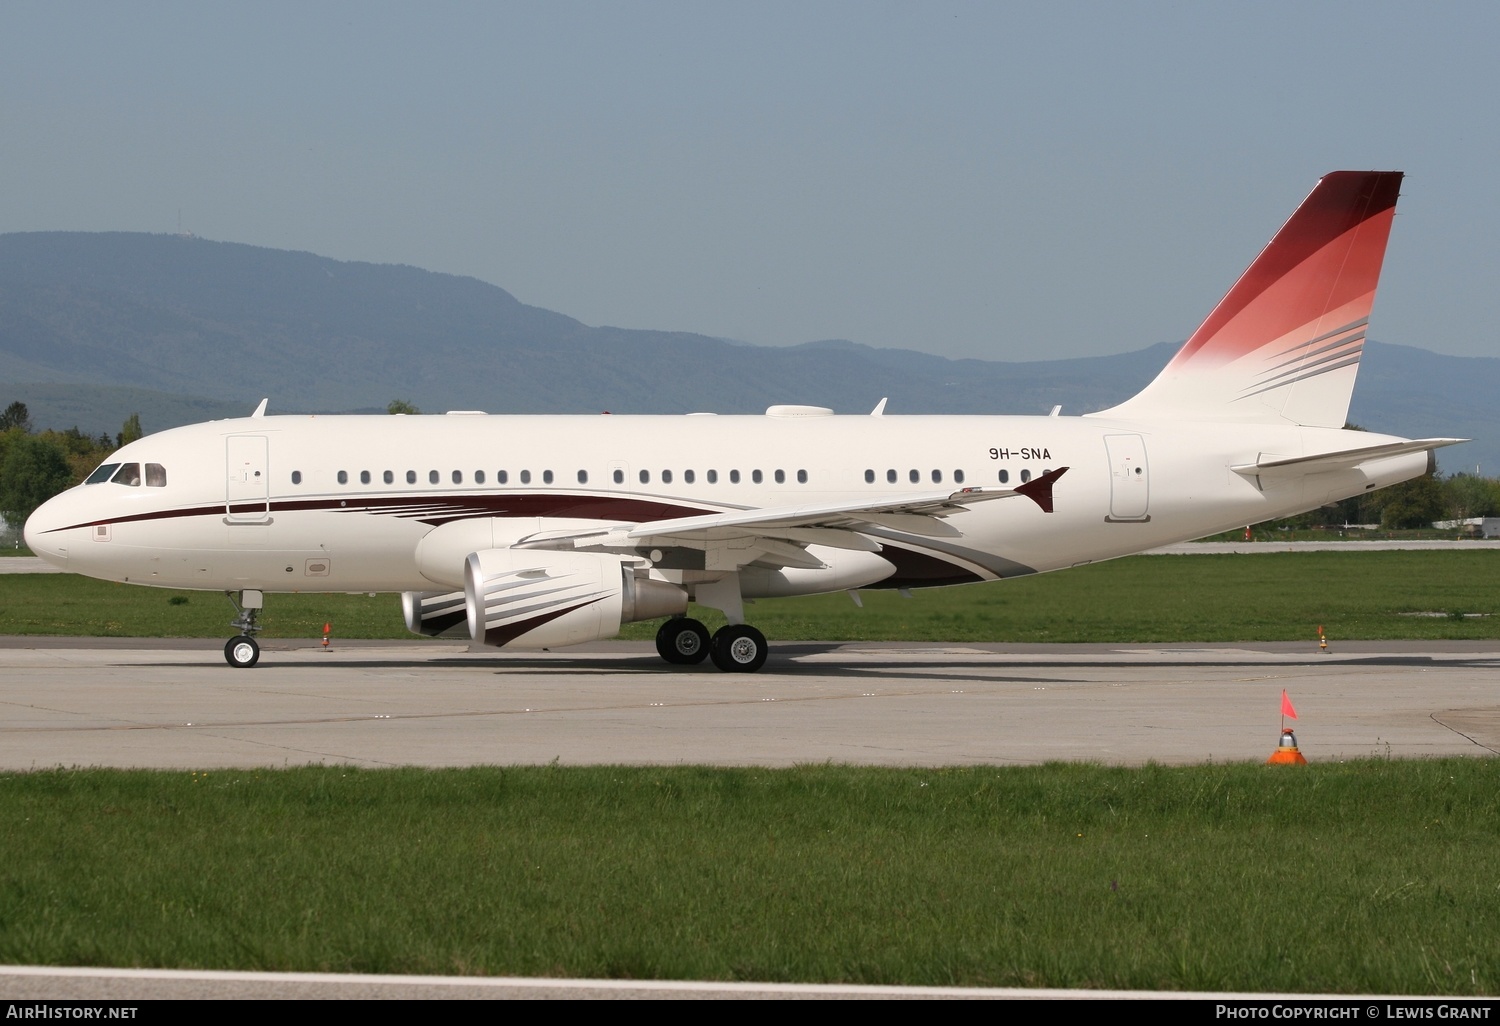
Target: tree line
36	465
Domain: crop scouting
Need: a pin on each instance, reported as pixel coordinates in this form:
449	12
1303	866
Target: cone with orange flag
1287	753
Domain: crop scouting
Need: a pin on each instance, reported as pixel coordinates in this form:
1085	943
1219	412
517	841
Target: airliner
533	532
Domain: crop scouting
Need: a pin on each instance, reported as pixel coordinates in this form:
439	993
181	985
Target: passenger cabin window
546	477
296	477
734	477
388	477
411	477
915	476
526	477
583	477
458	477
645	476
619	476
666	477
343	477
104	473
890	475
432	477
937	477
502	477
713	477
156	475
479	477
687	476
802	477
1025	476
1005	477
756	476
869	477
781	477
364	477
958	477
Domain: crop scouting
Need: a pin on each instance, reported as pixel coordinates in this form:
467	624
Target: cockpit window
156	475
128	474
104	473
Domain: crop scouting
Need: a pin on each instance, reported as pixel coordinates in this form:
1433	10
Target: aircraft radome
531	532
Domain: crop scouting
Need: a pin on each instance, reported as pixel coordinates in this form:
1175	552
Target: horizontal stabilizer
1343	459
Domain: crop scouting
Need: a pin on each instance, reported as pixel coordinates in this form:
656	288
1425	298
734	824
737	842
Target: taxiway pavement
176	705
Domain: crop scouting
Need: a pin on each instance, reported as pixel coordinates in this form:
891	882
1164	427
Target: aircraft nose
39	537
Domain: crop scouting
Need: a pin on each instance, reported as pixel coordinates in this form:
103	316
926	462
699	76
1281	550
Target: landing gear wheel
738	648
682	641
242	652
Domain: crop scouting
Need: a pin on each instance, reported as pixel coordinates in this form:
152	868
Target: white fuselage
343	503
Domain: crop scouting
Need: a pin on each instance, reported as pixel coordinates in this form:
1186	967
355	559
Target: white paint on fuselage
180	536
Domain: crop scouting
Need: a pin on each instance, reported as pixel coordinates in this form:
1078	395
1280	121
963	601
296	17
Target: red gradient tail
1284	345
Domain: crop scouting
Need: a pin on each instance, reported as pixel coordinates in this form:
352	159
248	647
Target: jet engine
538	598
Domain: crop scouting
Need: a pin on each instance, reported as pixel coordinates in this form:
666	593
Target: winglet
1039	490
260	411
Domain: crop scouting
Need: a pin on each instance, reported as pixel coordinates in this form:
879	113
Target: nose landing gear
243	652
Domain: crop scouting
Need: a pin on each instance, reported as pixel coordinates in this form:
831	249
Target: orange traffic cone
327	629
1322	641
1287	753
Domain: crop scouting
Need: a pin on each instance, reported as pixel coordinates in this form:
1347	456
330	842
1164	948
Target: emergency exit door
248	495
1129	479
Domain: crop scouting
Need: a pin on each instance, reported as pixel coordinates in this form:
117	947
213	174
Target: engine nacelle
542	598
436	614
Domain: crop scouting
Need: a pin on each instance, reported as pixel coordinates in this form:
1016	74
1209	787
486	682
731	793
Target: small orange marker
1287	753
1322	641
327	629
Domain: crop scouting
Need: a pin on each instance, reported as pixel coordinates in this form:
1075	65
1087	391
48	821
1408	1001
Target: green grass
1364	877
1263	597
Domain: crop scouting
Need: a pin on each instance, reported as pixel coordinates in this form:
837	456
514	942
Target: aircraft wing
1343	459
778	536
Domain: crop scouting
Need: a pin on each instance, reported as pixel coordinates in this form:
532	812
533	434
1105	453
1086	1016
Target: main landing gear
735	648
682	641
243	652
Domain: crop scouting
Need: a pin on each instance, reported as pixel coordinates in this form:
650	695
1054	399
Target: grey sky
1010	181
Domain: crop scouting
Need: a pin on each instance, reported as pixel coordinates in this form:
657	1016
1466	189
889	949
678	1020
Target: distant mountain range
95	326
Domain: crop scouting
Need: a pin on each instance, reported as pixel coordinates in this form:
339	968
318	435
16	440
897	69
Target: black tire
242	652
739	648
682	641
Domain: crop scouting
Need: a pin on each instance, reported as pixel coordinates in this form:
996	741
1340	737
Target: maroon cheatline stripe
436	510
920	570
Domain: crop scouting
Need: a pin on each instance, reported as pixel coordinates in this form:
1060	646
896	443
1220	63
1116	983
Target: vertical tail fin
1284	344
